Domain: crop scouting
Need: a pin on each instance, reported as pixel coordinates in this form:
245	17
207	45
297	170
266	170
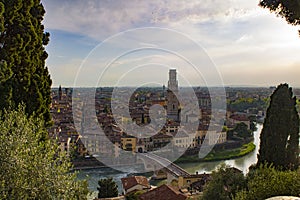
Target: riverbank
85	163
243	163
217	155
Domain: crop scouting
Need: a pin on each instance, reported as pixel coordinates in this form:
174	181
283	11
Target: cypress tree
288	9
22	55
5	72
107	188
279	139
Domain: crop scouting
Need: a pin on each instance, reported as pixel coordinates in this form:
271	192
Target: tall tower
59	93
173	103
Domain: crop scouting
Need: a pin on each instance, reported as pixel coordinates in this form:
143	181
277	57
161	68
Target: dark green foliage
31	169
243	104
5	71
240	131
225	183
253	121
266	182
134	195
288	9
253	126
24	77
261	183
1	16
279	140
107	188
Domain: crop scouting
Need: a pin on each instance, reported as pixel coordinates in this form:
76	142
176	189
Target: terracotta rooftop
205	176
160	135
181	134
130	182
163	192
237	117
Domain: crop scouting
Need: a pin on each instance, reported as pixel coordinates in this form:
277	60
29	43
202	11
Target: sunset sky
248	45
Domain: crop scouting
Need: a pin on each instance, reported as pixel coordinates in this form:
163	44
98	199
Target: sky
134	43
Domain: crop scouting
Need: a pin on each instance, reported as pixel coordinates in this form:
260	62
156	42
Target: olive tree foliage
31	168
265	182
225	183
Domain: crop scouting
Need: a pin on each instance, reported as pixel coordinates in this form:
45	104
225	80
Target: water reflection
94	175
242	163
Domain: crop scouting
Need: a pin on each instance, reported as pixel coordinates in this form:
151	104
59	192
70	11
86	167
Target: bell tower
172	101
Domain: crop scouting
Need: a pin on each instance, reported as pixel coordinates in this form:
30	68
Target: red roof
161	135
242	118
163	192
130	182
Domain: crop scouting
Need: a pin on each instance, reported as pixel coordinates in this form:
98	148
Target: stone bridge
160	165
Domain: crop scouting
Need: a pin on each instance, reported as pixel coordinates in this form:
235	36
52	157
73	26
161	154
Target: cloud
101	19
241	38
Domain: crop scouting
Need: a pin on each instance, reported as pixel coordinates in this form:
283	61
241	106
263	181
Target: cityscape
140	100
245	106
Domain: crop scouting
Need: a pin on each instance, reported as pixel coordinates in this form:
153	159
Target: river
242	163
